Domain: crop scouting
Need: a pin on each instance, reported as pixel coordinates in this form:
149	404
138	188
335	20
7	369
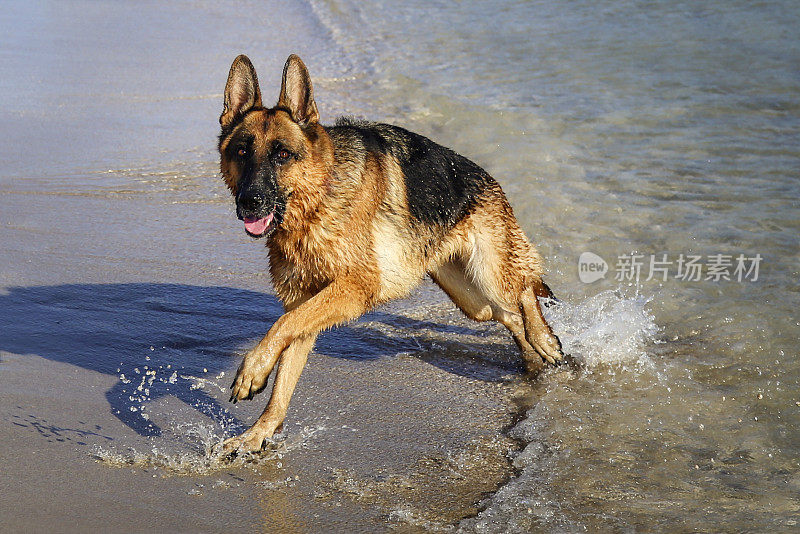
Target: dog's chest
307	261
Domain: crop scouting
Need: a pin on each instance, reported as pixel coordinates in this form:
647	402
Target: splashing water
605	330
206	456
186	448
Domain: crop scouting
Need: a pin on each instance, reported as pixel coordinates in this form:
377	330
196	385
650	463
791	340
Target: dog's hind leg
537	331
451	277
470	299
506	267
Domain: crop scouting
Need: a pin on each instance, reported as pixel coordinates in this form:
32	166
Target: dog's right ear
241	91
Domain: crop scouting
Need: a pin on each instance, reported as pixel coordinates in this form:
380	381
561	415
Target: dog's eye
283	154
242	152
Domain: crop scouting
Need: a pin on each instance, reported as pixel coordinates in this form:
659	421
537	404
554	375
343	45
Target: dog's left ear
297	95
241	91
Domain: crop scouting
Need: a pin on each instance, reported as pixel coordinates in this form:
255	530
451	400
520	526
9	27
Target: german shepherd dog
356	214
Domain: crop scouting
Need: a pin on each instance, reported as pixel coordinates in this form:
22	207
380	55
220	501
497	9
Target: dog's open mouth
259	226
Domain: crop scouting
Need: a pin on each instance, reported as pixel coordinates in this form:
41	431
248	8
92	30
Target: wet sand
356	453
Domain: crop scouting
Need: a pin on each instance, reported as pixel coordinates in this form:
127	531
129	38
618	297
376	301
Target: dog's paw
253	439
548	346
249	441
539	348
250	379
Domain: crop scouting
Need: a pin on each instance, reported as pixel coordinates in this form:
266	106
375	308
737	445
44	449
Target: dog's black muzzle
251	204
260	205
258	195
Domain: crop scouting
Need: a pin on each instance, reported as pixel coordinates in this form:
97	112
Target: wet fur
364	211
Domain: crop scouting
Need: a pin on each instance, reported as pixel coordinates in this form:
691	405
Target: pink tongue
257	226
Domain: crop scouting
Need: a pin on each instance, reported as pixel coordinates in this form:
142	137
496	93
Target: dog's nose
251	202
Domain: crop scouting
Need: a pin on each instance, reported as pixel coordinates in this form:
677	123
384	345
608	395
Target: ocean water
638	131
661	137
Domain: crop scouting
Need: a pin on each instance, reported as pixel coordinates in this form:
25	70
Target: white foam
606	330
205	453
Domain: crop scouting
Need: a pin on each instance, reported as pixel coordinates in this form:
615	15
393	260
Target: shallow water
644	129
651	129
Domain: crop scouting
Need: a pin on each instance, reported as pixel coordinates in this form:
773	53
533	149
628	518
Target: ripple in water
608	337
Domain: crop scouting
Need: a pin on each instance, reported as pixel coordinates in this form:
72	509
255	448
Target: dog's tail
540	289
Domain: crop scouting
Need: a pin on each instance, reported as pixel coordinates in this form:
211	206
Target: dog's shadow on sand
194	331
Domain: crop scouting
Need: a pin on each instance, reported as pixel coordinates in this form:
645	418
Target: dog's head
271	158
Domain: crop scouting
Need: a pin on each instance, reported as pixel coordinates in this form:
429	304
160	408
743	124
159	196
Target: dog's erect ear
297	95
241	91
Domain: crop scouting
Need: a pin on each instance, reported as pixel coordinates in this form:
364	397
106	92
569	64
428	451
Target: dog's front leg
252	375
292	361
291	339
